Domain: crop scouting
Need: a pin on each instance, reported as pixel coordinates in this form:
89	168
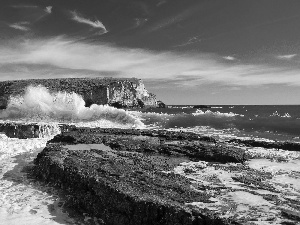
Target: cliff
120	93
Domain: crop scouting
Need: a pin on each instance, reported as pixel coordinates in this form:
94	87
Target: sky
185	51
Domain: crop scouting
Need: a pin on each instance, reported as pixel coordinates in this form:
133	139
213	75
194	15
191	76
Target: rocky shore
163	177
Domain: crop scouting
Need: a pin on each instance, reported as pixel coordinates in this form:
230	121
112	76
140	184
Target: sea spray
38	104
48	130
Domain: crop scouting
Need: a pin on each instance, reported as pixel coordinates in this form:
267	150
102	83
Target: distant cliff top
103	80
64	84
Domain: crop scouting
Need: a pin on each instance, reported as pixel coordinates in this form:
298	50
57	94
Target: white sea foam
216	114
22	202
231	198
276	114
38	104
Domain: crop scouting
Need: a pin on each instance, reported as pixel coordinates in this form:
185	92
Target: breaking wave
39	105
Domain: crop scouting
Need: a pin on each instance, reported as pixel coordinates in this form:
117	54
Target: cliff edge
121	93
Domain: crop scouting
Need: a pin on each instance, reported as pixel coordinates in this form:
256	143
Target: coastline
133	169
181	177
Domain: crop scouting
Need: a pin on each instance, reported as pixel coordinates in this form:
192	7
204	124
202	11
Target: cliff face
116	92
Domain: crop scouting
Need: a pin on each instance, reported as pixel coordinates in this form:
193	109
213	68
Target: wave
215	114
286	115
205	118
39	105
198	118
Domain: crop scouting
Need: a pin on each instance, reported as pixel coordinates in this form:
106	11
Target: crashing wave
39	105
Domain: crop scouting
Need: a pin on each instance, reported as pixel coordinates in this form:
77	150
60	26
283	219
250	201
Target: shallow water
25	201
21	200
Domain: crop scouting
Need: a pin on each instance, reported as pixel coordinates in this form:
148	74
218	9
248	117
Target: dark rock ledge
124	176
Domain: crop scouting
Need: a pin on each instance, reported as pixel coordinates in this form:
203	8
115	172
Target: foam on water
23	202
38	104
233	198
215	114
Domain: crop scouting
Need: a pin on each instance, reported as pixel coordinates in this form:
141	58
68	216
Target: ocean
22	198
269	122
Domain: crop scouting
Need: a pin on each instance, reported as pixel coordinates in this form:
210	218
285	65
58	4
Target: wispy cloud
230	58
192	40
185	69
140	22
286	56
176	18
96	24
48	9
20	26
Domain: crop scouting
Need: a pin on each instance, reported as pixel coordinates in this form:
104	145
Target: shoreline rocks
125	177
131	176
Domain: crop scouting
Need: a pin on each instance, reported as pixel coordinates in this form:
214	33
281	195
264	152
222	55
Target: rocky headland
117	92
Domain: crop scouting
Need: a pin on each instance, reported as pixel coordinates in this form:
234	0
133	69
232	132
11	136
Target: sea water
273	122
21	202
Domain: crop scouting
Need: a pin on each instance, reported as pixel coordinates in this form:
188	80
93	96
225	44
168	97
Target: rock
112	91
170	143
125	176
160	104
131	176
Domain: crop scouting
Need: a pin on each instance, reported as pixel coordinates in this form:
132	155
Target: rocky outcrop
158	177
125	176
170	143
116	92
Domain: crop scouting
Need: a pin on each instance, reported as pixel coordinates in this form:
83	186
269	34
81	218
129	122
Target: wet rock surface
163	177
123	176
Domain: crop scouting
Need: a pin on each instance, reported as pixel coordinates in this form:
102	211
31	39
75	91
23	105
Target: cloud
140	22
20	26
96	24
176	18
286	56
48	9
181	68
231	58
161	2
190	41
